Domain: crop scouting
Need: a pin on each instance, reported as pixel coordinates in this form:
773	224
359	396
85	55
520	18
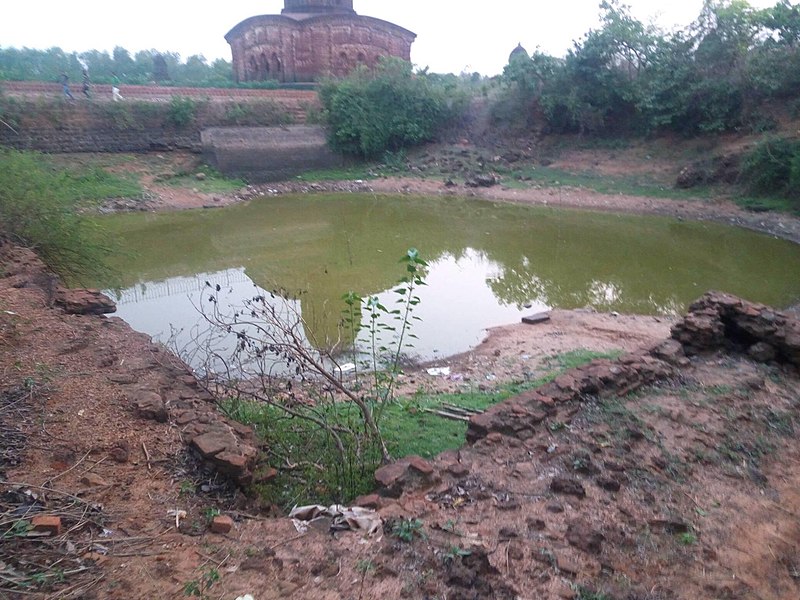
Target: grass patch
521	178
359	171
213	181
303	454
768	204
96	184
40	207
578	358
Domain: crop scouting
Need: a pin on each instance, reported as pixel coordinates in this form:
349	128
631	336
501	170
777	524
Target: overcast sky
452	36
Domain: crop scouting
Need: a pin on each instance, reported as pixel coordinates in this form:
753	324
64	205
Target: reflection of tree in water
519	285
328	245
598	264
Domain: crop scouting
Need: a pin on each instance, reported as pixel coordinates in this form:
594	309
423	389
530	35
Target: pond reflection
488	262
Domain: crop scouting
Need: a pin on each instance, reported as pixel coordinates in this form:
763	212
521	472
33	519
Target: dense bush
626	77
39	208
370	113
773	167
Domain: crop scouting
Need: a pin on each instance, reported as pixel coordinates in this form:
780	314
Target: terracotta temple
311	39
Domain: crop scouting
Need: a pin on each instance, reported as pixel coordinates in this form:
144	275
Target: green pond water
490	263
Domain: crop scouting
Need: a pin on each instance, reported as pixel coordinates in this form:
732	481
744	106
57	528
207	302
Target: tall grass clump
40	208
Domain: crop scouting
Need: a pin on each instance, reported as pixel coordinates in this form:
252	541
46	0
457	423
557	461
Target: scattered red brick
221	524
47	524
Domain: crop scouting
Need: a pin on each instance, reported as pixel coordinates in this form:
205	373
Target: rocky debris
609	484
411	472
84	302
221	524
719	321
716	321
581	535
149	405
540	317
514	418
120	453
720	169
568	486
220	445
482	180
519	416
93	480
473	577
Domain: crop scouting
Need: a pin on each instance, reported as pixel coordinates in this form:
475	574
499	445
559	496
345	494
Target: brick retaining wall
42	120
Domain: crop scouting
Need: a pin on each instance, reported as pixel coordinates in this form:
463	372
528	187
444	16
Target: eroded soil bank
660	476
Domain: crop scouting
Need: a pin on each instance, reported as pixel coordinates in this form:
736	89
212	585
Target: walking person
115	95
65	87
86	84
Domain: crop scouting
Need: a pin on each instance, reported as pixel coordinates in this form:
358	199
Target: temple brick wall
311	40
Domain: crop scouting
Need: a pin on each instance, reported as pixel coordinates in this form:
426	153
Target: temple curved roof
318	6
314	18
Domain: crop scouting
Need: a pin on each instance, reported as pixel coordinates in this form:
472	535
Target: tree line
628	77
144	67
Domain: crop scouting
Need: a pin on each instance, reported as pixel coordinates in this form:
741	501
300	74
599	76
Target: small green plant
407	529
687	538
365	565
210	512
187	487
587	594
200	587
387	332
454	552
451	526
20	528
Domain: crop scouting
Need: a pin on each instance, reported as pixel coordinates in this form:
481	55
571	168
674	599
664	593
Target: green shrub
389	109
181	111
39	208
773	167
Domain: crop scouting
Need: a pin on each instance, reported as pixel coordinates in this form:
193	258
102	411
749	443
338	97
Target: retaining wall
38	118
267	153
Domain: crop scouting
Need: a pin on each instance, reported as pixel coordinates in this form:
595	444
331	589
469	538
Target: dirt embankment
668	474
677	485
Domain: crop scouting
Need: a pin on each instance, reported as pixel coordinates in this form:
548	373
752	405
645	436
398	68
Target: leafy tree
784	20
596	90
773	68
627	77
123	63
